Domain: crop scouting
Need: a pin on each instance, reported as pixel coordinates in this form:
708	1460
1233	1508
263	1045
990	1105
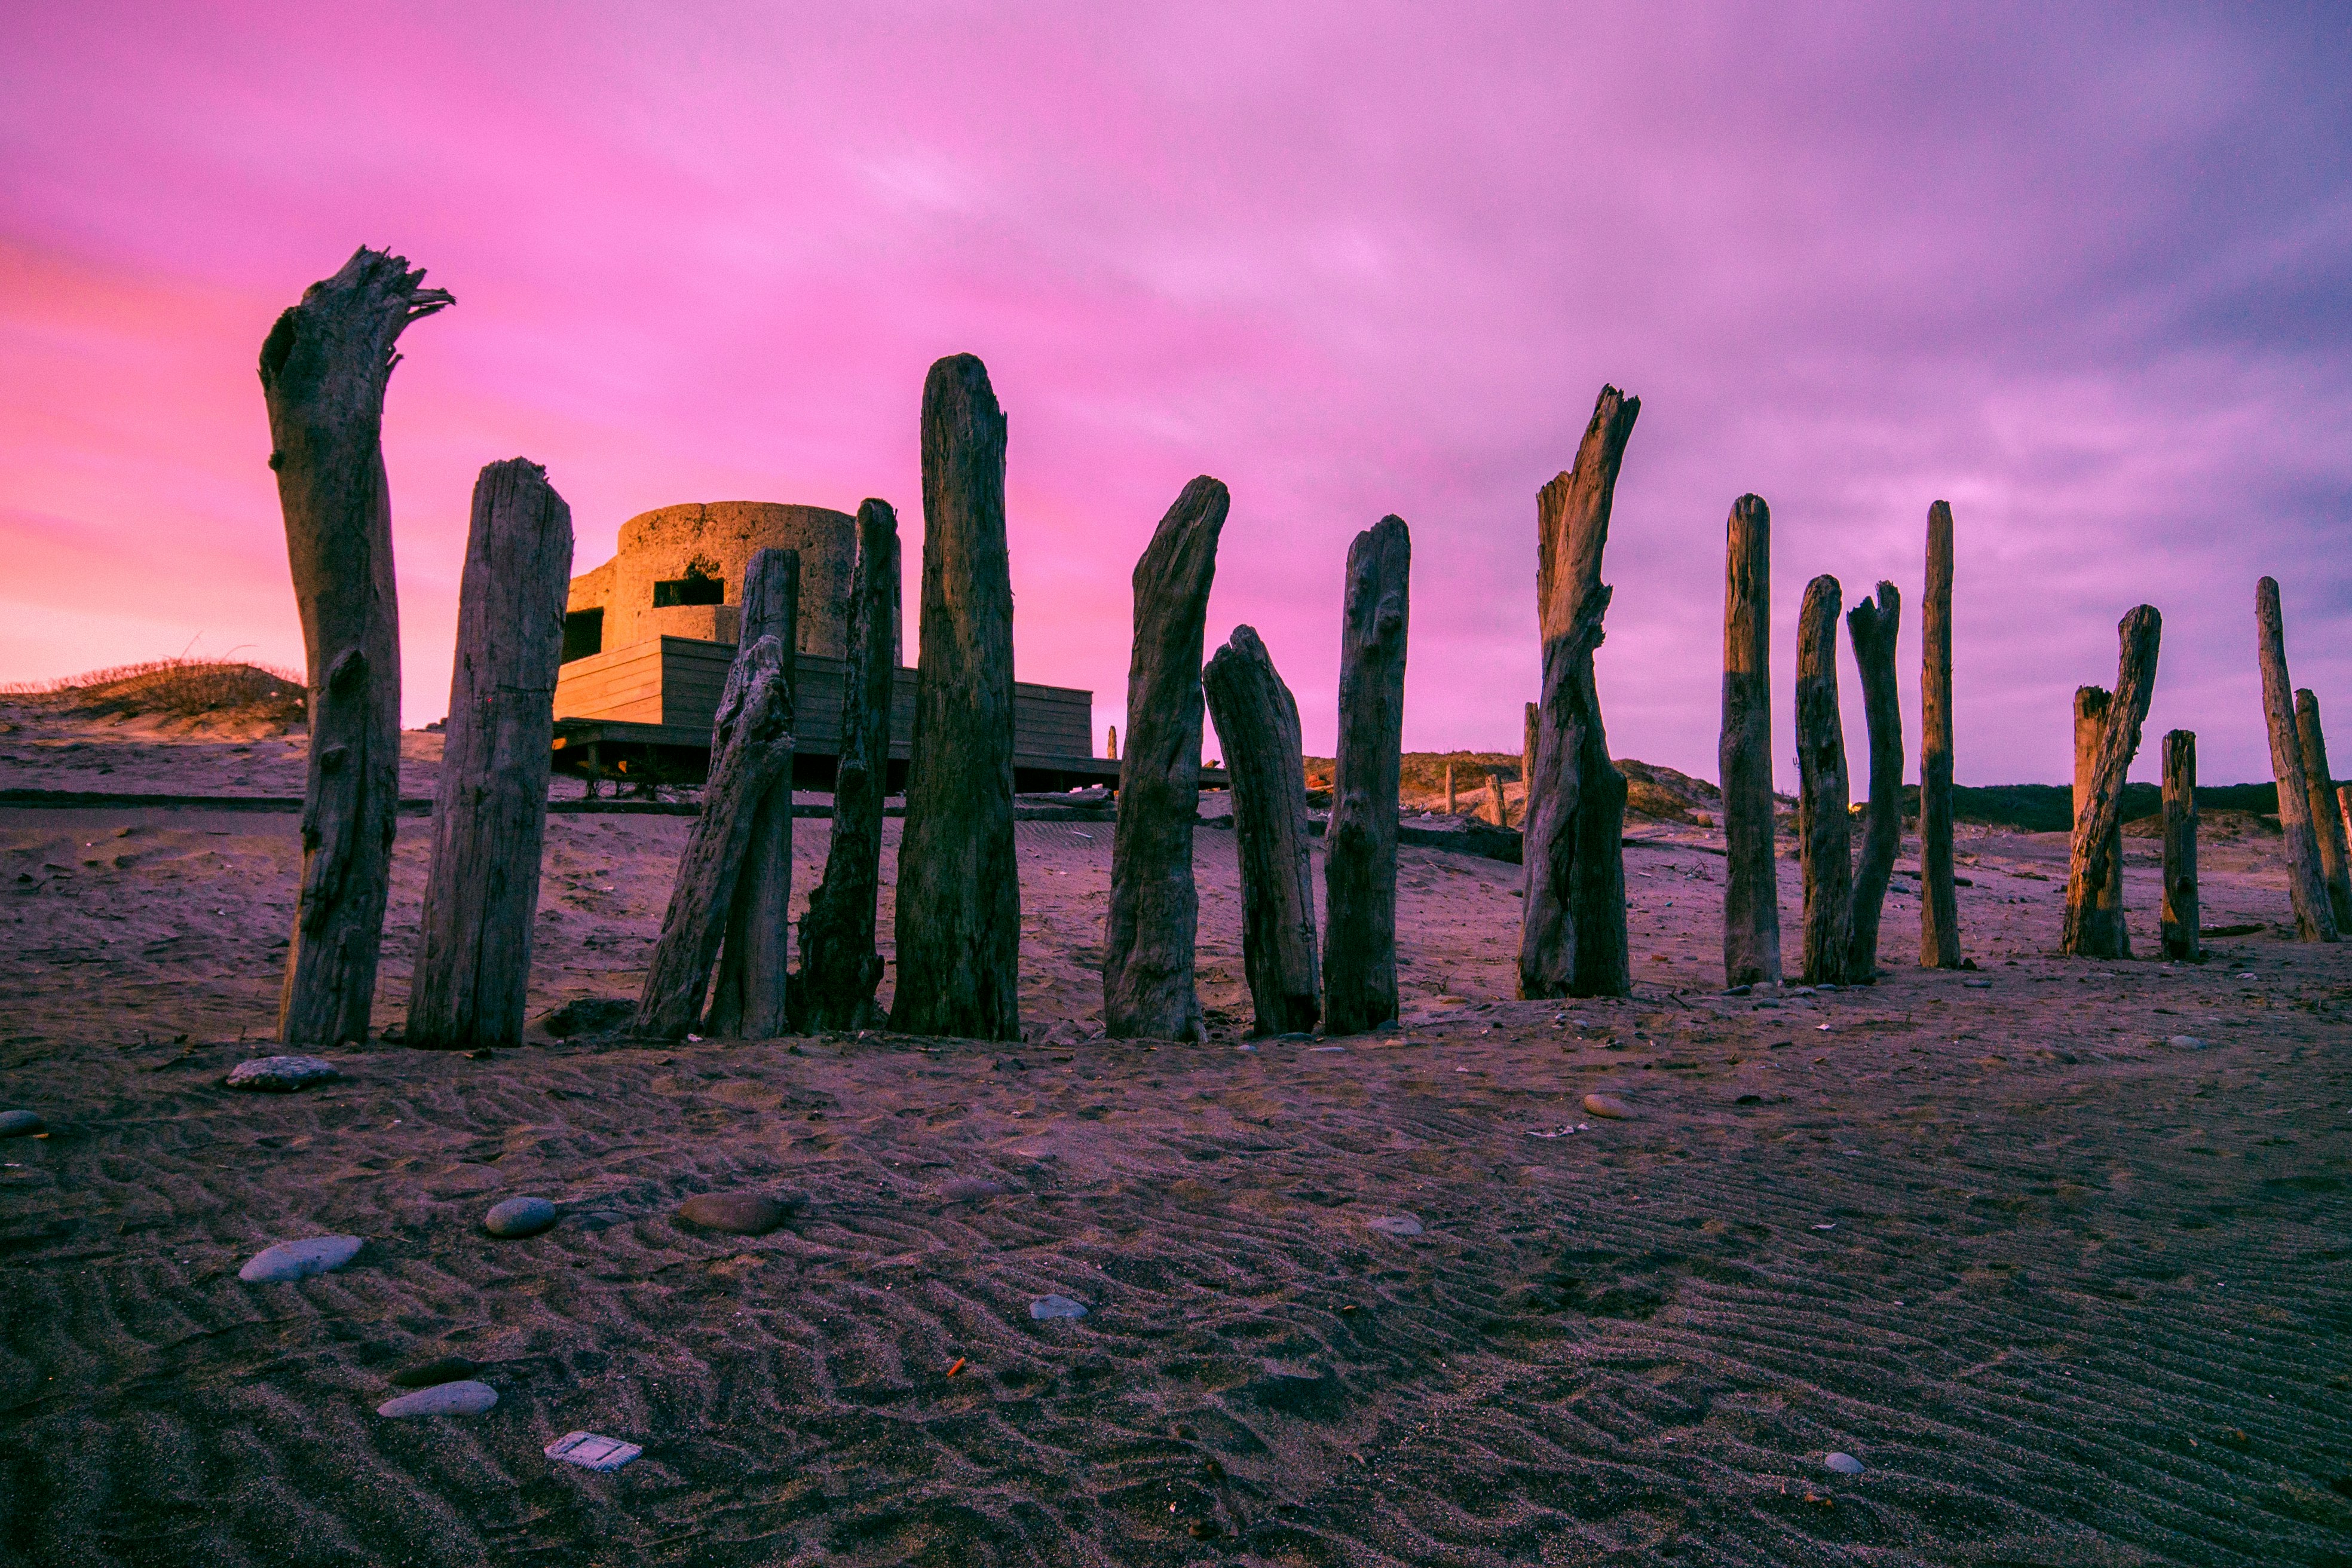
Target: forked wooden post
1824	832
1751	895
490	817
754	964
2314	912
2181	940
1871	628
1360	983
2107	935
1939	901
2327	822
1257	723
2094	922
1499	804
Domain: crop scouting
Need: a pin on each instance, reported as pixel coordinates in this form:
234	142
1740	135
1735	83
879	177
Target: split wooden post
323	370
755	963
1824	831
959	917
1147	939
2315	913
2108	936
1871	628
839	966
1360	983
2181	941
1939	901
1497	800
1257	722
1572	927
2094	856
2327	822
1751	895
490	819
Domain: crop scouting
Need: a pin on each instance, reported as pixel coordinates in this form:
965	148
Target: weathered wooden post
489	818
1824	832
958	925
2110	935
1360	983
754	963
1572	928
2343	809
1751	894
323	370
1497	802
2094	917
1871	628
1529	723
839	967
2327	822
1257	721
1939	901
1147	939
2314	912
1452	801
1114	743
2181	941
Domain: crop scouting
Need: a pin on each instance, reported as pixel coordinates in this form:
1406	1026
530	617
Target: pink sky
2086	274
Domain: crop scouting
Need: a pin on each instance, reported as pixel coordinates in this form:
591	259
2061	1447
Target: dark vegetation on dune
192	690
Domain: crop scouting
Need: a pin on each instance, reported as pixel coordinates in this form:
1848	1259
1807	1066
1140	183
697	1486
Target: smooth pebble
281	1074
1609	1106
440	1369
463	1398
1045	1307
1843	1464
738	1214
519	1217
1395	1225
300	1260
21	1123
2185	1043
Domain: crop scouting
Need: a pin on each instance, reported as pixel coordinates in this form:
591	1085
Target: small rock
440	1369
462	1398
1609	1106
1977	985
300	1260
2185	1043
591	1452
281	1074
21	1123
1045	1307
971	1190
519	1217
1399	1224
739	1214
586	1016
1843	1464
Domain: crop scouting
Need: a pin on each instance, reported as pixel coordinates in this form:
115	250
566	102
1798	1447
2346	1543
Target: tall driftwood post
2344	810
755	963
2096	854
1359	982
1824	831
2110	935
959	926
2327	822
2315	913
1531	722
1257	722
1148	940
323	370
1453	800
754	751
1497	802
1751	895
1572	927
839	966
489	818
1939	901
2181	941
1871	628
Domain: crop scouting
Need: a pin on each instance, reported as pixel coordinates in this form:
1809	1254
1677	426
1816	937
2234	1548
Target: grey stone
440	1369
281	1074
300	1260
1047	1307
21	1123
739	1214
1843	1464
519	1217
463	1398
1398	1225
2185	1043
1608	1106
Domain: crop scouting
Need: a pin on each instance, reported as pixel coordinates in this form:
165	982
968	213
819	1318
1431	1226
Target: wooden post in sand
839	967
2344	811
1871	628
1529	723
1452	801
1499	804
1824	831
1751	895
1939	903
2327	822
323	370
755	963
1147	939
490	817
1572	927
2094	856
1360	983
2315	913
1257	721
959	928
2110	936
2181	941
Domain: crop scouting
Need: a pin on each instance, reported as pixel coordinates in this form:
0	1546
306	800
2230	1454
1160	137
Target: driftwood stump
2343	809
1360	984
1751	895
2327	822
1872	627
839	966
1939	901
2181	941
2094	856
958	919
1572	928
1499	804
2314	912
1257	722
1824	831
324	366
489	818
754	962
1148	991
1452	801
2110	936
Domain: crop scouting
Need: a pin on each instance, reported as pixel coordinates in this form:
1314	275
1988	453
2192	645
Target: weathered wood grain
1871	628
2327	822
1939	901
1257	723
1360	985
1824	831
2094	854
749	1000
2314	912
2180	917
2107	934
1751	895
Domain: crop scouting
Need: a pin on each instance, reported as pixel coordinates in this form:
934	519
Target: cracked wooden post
1824	830
1572	927
1530	723
2094	855
959	916
1871	628
489	820
1751	895
754	962
1148	935
1939	899
2315	913
1360	983
2181	941
2110	936
839	966
324	366
1257	721
2327	822
1499	804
